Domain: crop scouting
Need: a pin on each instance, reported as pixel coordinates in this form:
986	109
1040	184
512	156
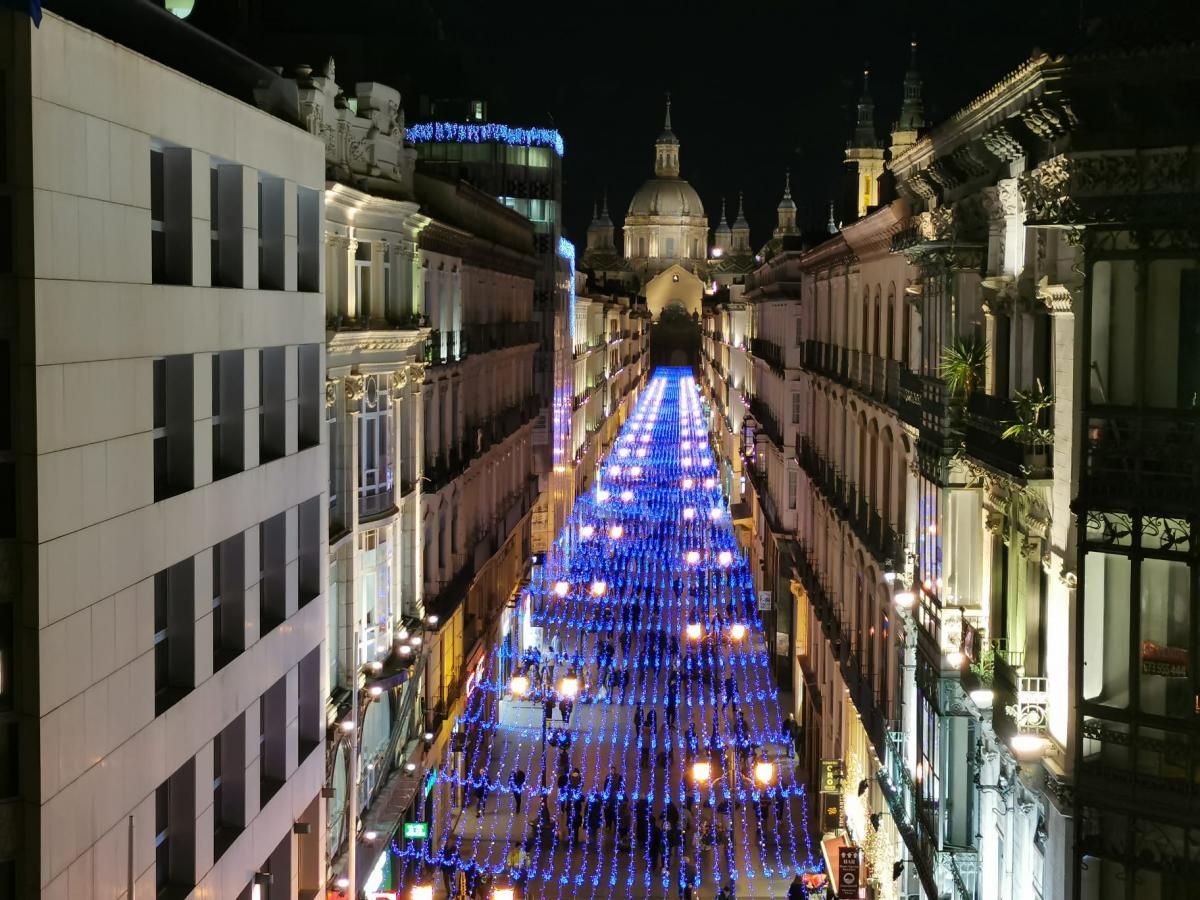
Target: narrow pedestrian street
632	745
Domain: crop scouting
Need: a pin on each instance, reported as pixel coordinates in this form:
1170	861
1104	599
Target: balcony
375	501
770	353
1148	459
766	421
884	543
583	348
875	377
1140	767
987	418
442	348
483	337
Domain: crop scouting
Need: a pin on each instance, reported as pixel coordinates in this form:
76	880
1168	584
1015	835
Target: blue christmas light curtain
634	745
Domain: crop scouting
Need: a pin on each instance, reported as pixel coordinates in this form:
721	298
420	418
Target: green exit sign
416	831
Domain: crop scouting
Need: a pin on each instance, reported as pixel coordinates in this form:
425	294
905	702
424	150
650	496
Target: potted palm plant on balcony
962	367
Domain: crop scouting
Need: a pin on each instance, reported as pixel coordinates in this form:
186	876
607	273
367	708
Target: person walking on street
449	865
656	846
641	821
516	781
674	841
729	688
481	790
671	701
687	878
594	818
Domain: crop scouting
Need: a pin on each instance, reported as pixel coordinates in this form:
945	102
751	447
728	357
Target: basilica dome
666	197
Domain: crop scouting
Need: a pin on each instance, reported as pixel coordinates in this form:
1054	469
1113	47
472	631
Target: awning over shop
829	849
384	818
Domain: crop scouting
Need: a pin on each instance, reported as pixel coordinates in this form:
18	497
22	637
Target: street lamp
561	588
724	558
904	600
520	686
626	496
695	631
615	532
701	771
737	631
693	557
569	687
688	484
421	892
503	893
689	513
764	772
598	588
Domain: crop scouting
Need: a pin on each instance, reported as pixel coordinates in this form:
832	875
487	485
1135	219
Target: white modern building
163	587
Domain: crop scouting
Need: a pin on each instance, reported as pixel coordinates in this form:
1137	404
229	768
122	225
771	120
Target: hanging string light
661	669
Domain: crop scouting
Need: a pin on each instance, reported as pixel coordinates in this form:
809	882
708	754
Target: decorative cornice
330	392
355	386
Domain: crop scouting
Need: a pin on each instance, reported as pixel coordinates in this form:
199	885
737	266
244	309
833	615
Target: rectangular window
796	400
308	528
10	781
171	215
174	403
272	416
225	225
270	233
362	279
311	710
229	785
175	832
229	600
174	634
228	417
376	487
272	588
1106	629
310	384
791	488
333	438
272	734
308	240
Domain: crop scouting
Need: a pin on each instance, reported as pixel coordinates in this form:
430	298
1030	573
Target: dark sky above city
756	87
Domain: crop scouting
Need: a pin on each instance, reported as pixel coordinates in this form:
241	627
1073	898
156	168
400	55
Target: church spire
721	234
864	132
741	229
831	226
912	110
786	209
666	149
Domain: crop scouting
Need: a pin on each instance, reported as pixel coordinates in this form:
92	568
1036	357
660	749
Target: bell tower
864	156
666	149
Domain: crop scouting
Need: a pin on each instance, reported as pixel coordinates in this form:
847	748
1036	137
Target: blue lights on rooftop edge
454	132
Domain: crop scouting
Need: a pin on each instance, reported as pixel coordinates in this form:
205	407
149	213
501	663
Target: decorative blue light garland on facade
454	132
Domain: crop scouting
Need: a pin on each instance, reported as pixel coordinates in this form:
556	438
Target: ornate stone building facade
994	592
430	405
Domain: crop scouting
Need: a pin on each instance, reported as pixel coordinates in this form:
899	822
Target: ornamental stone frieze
1049	118
416	374
400	383
944	173
330	392
1004	143
1112	187
355	387
972	160
1057	298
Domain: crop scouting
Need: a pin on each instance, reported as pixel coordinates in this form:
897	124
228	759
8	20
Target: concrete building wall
93	322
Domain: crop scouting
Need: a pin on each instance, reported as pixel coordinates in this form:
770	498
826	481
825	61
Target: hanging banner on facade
539	526
831	776
848	873
831	812
764	601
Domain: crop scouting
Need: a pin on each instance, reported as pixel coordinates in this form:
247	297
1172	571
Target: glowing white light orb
689	513
561	588
693	556
737	631
598	588
724	558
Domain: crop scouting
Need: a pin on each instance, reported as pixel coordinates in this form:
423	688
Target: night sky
756	86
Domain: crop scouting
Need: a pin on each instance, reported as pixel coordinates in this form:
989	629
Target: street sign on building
831	776
831	812
416	831
848	873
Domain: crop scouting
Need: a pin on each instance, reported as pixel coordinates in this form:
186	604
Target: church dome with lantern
665	224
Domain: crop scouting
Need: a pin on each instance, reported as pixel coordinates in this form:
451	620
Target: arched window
877	346
866	318
641	246
891	321
670	247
